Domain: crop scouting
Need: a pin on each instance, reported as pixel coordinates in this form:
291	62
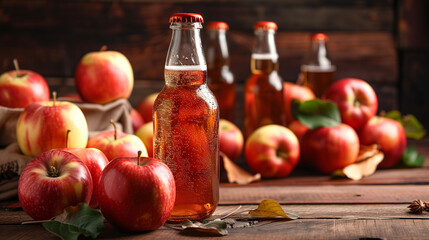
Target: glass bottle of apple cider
263	92
318	72
186	122
219	77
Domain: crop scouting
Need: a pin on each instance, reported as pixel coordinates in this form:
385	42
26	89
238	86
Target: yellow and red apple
231	139
116	144
272	150
43	126
294	91
53	181
20	88
104	76
145	133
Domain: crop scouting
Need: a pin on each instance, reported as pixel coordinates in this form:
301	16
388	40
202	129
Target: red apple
53	181
145	133
136	119
389	135
145	107
294	91
20	88
116	144
272	150
104	76
42	127
96	161
298	129
137	194
328	149
230	139
355	99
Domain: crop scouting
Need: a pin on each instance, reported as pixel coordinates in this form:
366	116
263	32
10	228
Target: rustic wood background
385	42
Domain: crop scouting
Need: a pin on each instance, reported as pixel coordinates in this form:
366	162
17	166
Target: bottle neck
319	56
185	63
217	50
264	56
185	46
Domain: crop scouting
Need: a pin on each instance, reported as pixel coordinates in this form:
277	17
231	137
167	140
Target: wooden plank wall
51	36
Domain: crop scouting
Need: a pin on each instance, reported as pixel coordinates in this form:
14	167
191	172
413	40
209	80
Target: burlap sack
12	161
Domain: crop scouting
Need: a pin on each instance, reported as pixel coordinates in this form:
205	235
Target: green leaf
272	209
413	128
316	113
216	226
411	158
75	221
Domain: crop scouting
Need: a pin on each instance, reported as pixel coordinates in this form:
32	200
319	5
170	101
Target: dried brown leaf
237	174
363	168
271	209
367	151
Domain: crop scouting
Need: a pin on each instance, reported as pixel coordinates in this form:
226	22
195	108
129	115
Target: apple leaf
74	221
272	209
413	128
236	174
411	158
216	226
316	113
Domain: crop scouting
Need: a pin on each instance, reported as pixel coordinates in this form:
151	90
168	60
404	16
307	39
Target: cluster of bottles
186	112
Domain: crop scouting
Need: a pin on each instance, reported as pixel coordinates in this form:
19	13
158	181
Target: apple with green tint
272	150
137	194
53	181
104	76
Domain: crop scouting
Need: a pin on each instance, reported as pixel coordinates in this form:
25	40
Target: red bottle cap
186	18
265	25
319	37
217	25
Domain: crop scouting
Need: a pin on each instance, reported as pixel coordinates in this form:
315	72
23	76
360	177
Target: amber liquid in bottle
219	77
186	139
318	72
264	101
317	79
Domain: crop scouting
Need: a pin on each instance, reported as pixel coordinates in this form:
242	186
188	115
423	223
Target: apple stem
15	63
103	48
139	155
54	98
53	172
67	138
114	129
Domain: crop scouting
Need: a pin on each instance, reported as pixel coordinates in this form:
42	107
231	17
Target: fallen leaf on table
75	221
271	209
236	174
368	159
411	158
216	226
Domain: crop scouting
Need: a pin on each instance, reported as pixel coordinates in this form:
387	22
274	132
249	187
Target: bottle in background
318	71
219	76
186	122
263	93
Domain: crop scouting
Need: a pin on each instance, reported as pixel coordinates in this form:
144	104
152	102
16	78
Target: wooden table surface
372	208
